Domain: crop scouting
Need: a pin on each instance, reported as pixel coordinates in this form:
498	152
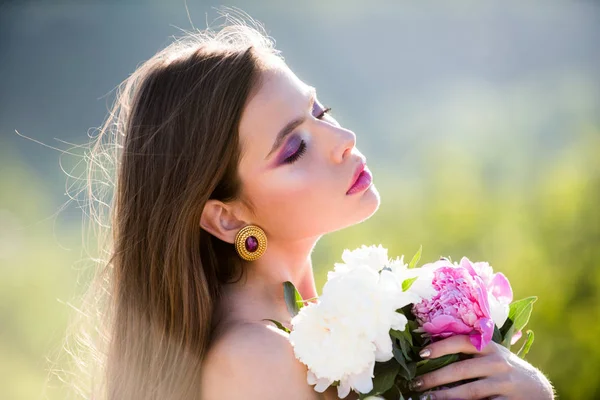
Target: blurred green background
480	121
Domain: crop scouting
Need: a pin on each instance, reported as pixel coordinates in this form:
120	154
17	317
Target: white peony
340	337
331	351
375	257
422	288
369	300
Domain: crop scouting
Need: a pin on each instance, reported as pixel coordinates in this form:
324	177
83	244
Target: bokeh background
479	119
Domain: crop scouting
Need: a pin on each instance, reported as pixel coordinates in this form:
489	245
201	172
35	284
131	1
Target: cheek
300	203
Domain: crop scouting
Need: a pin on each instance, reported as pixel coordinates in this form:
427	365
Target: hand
502	374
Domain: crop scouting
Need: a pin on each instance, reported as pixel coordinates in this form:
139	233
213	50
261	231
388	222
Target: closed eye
322	113
301	150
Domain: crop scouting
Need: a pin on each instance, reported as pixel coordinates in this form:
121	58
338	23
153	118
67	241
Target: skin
501	373
295	204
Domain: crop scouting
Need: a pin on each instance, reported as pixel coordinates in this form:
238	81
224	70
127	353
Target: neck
259	294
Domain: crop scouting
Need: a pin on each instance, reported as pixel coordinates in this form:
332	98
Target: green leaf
293	300
416	258
307	300
522	312
396	334
518	316
406	347
408	370
407	334
405	339
433	364
497	337
508	324
394	392
412	325
385	376
527	345
408	283
278	324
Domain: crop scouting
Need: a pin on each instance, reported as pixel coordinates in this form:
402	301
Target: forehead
280	97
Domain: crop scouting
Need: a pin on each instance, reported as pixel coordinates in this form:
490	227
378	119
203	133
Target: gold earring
251	242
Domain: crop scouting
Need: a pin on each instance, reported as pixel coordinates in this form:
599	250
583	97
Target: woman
212	135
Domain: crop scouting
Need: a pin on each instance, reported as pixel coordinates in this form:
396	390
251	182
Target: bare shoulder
254	361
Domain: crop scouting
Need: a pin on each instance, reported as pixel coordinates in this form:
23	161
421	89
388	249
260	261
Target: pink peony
496	283
500	293
459	307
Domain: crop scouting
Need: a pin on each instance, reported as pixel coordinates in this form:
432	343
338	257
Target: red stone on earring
251	244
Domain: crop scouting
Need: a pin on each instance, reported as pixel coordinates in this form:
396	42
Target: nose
345	142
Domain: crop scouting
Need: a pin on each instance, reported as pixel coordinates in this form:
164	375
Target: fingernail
415	384
428	396
425	353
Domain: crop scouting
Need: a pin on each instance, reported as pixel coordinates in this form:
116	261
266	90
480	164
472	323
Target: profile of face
298	164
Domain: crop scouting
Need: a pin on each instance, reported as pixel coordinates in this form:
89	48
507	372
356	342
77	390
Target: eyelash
325	111
297	154
302	148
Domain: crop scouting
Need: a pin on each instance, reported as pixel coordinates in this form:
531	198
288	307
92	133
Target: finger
478	390
480	367
453	345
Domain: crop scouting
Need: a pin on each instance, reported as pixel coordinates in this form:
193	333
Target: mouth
361	179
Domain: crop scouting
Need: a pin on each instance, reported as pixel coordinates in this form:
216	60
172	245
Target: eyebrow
293	124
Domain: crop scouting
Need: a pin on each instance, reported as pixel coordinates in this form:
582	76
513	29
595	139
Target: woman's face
297	176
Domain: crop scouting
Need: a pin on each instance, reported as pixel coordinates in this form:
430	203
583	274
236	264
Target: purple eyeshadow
291	147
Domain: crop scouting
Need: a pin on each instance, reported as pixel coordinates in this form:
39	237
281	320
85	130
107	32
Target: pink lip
361	180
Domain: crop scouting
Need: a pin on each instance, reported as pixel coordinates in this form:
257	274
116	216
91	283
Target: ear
219	220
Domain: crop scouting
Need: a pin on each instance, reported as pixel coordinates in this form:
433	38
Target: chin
368	204
371	200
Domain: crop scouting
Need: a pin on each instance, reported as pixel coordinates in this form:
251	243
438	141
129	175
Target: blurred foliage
38	272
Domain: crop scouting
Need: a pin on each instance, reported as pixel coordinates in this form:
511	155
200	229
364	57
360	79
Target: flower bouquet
375	315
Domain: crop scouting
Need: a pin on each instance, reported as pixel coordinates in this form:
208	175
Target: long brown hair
170	143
